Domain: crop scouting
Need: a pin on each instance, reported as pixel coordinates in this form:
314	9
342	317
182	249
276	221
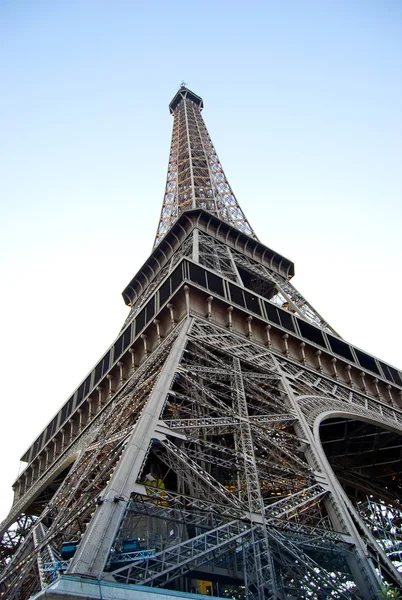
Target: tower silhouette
228	443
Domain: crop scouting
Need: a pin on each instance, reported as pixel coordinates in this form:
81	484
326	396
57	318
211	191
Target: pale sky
303	103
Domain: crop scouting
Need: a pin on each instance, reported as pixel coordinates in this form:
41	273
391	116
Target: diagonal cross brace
216	487
186	556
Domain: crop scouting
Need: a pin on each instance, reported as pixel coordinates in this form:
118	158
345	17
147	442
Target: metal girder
171	563
225	422
214	486
216	256
285	294
245	441
14	537
45	556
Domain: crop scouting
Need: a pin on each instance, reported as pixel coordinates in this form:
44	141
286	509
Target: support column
90	407
319	363
285	338
109	377
71	422
249	320
334	369
230	319
93	550
63	439
132	354
302	345
348	370
171	310
209	308
187	295
158	329
268	331
120	364
362	377
80	412
144	339
362	569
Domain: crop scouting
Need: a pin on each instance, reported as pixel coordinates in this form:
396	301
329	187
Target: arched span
363	453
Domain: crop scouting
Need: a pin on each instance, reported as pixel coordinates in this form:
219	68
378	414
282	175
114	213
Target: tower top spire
195	177
183	93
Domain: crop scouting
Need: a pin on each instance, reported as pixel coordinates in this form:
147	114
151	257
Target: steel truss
230	471
248	540
195	177
219	460
219	257
284	293
385	521
97	455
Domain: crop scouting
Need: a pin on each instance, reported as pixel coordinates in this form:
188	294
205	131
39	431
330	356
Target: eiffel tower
229	443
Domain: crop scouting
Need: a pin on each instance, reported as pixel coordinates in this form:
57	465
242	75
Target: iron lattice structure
195	177
228	443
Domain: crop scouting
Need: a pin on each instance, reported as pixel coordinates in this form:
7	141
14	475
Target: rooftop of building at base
70	586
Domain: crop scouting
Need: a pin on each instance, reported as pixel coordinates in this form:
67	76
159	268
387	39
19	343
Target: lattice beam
195	177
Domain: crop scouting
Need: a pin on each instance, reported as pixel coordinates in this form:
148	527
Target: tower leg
92	553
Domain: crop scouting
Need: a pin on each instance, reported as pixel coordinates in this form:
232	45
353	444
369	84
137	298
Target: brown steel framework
195	177
228	443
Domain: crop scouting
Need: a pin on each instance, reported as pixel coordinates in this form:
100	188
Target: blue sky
302	101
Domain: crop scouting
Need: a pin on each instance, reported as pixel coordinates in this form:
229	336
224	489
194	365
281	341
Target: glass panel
311	333
340	348
366	361
176	278
198	275
286	320
215	284
252	302
272	313
236	294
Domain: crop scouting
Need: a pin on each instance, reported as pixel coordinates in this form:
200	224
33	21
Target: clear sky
303	103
